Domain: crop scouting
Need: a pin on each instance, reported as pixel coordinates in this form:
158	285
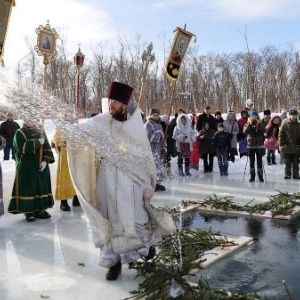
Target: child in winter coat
271	141
254	131
222	144
184	135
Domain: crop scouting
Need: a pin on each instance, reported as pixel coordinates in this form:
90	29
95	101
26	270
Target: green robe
32	188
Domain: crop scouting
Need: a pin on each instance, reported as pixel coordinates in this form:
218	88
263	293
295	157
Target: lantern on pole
78	62
5	12
147	59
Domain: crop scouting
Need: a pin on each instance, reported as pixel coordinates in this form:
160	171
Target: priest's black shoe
151	253
64	205
114	272
159	187
76	201
296	177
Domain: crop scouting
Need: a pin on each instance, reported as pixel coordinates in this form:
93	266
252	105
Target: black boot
180	171
269	161
159	187
260	175
274	160
114	271
151	253
64	205
187	170
30	217
42	214
75	201
252	175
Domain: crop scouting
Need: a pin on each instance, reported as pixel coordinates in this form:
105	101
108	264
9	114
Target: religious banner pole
180	43
46	47
147	58
5	12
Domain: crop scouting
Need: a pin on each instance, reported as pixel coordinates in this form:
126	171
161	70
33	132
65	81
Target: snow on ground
41	258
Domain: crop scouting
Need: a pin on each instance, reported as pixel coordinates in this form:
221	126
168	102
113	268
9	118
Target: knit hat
164	118
253	113
120	92
154	111
267	112
249	102
293	112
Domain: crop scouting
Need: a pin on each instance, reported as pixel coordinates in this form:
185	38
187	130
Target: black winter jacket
222	141
7	130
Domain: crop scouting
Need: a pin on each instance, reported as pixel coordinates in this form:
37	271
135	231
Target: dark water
260	267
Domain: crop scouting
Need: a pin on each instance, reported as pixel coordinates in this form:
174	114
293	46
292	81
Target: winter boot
187	171
252	175
260	175
274	160
225	170
64	205
75	201
221	168
180	171
269	161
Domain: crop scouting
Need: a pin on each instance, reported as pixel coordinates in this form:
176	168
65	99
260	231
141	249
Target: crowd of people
112	164
195	137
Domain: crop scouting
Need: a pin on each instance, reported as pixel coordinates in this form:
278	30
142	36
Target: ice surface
41	258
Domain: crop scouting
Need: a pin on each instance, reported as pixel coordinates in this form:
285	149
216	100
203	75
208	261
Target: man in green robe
32	192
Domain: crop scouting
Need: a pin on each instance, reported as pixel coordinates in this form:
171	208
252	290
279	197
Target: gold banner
178	49
5	10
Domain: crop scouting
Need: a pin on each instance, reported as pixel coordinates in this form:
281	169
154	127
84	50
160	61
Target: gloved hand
147	195
43	165
42	141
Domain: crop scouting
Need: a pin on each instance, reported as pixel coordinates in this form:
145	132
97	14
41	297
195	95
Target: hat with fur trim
120	91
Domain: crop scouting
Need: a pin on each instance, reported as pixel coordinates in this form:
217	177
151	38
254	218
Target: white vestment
111	164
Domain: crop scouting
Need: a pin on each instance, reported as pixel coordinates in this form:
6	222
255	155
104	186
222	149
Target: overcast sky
218	24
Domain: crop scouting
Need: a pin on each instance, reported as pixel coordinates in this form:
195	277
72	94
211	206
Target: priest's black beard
121	117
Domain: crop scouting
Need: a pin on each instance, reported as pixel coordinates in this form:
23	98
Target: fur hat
267	112
253	113
120	92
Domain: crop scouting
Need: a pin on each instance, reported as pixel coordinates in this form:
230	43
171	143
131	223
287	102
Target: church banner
178	49
5	11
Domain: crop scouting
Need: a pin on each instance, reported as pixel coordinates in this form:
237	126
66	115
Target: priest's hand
42	166
147	195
